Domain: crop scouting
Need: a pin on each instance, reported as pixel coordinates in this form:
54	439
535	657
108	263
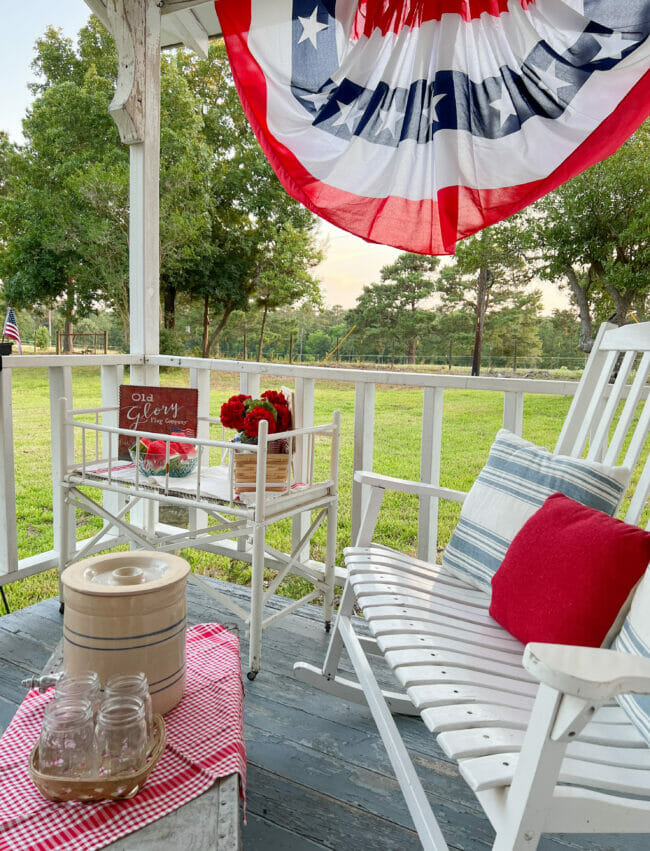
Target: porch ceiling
190	23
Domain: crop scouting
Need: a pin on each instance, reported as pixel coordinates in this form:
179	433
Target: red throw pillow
567	574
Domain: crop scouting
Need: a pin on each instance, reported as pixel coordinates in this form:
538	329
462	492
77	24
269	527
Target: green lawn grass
470	422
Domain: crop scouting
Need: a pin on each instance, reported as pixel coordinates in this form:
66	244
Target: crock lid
116	574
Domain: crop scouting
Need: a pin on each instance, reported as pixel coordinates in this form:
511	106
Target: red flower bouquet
245	414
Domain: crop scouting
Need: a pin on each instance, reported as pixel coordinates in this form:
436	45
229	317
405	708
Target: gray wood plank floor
318	776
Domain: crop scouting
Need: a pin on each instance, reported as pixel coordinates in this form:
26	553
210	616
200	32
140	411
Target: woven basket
87	789
277	472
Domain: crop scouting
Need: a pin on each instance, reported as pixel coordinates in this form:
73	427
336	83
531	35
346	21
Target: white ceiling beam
189	30
98	8
169	6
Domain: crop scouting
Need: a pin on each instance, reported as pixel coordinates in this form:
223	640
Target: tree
66	210
488	271
49	223
287	279
258	234
593	234
560	335
393	309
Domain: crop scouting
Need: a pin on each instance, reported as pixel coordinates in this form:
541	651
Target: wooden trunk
277	472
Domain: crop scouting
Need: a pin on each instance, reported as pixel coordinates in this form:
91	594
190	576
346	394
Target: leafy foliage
593	233
392	310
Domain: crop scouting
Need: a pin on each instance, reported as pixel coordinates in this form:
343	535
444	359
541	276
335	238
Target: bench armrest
376	480
591	673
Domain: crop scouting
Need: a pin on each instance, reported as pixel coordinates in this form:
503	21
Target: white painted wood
432	407
200	380
513	412
632	336
425	822
111	378
126	20
136	26
303	418
379	377
98	7
629	410
592	673
566	442
514	739
364	430
536	774
8	534
422	489
62	441
190	31
599	438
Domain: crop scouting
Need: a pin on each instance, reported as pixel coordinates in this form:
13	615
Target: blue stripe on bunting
492	108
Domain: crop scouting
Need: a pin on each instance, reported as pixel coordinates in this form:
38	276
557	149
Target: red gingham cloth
204	742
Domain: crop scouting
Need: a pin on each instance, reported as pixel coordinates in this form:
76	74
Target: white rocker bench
535	730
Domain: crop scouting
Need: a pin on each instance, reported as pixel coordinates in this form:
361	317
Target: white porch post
135	25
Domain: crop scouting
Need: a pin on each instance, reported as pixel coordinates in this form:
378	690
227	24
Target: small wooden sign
158	409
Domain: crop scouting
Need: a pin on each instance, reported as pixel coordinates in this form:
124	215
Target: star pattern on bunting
311	26
389	118
611	45
349	113
503	105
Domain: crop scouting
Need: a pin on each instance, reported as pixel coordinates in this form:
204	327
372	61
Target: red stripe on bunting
389	16
426	226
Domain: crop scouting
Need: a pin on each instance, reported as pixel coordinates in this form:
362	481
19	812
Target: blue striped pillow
516	480
634	637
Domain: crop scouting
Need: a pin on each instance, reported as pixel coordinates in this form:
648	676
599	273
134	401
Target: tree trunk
482	294
581	297
215	334
622	301
260	346
246	341
205	344
169	307
413	348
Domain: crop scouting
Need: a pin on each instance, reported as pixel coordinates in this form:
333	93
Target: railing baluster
62	442
200	380
304	418
364	431
111	378
8	534
513	411
432	404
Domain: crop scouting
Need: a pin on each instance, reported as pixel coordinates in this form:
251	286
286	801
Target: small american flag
10	329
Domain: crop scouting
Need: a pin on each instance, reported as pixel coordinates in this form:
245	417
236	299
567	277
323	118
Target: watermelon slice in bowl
154	461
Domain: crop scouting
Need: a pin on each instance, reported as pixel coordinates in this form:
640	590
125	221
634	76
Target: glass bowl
179	465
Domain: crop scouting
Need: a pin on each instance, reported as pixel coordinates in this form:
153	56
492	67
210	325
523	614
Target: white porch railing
305	378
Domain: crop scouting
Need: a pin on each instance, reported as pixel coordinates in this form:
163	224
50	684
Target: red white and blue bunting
415	123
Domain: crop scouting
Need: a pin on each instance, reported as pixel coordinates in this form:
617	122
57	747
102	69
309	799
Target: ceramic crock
125	612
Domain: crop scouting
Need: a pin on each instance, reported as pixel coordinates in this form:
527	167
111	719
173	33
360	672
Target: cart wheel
328	626
61	607
251	675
